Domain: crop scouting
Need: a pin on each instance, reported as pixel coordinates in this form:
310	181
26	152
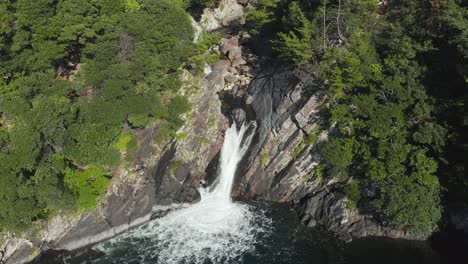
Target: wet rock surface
459	219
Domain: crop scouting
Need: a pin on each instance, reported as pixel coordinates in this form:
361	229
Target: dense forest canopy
394	76
74	74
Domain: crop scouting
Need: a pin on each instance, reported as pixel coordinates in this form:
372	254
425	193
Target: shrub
353	192
264	159
89	185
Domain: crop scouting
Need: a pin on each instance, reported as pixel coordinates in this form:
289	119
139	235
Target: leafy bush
264	159
89	185
122	142
353	192
338	155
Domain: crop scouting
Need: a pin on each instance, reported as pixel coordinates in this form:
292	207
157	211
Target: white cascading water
214	230
231	153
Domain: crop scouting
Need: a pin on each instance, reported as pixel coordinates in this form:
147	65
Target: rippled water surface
276	238
217	235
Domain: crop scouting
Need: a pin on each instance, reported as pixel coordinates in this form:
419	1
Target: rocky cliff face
281	164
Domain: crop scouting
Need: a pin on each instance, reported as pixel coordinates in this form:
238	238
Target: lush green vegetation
74	73
395	78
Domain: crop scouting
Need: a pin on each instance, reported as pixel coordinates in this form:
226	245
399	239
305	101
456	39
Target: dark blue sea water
285	242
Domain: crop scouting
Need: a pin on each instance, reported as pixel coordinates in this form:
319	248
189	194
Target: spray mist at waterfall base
214	230
202	233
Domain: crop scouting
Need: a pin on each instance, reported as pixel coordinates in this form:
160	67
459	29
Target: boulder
234	53
230	11
227	12
209	21
238	62
232	70
245	68
227	44
248	99
245	35
239	93
215	77
231	78
220	66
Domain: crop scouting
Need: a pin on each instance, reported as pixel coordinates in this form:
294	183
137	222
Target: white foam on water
214	230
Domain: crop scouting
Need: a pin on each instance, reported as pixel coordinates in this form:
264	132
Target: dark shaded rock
266	94
129	206
85	232
212	170
239	115
459	220
165	186
243	2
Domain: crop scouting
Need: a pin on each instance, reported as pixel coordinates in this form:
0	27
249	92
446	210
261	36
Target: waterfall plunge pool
280	240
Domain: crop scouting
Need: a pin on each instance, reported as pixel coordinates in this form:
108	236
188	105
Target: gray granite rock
227	44
238	62
234	53
231	78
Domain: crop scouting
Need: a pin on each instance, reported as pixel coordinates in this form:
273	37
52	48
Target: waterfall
233	150
214	230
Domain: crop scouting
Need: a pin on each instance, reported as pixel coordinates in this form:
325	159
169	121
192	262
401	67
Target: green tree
338	156
296	44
